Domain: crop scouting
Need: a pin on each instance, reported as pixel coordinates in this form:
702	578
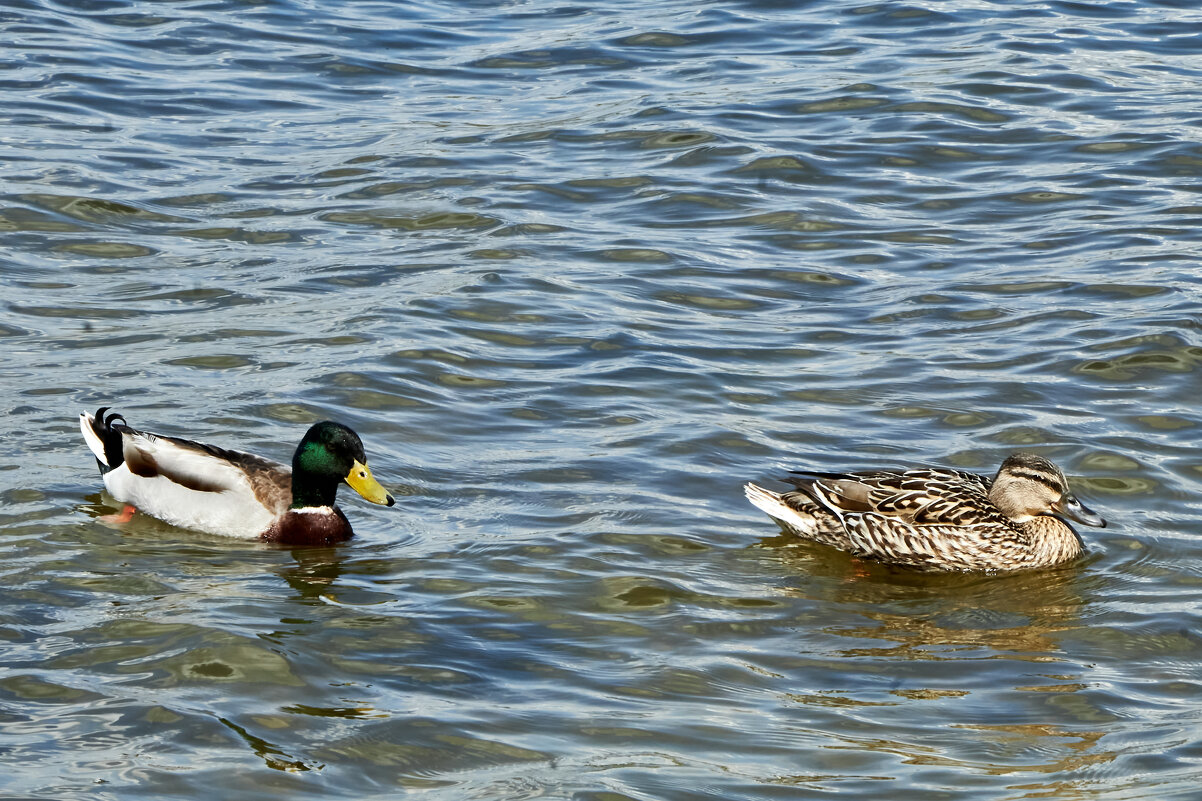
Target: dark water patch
433	220
94	210
106	250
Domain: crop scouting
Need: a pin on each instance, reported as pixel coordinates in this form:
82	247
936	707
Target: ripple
436	220
574	274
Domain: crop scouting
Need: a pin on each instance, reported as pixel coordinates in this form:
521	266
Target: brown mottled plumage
937	519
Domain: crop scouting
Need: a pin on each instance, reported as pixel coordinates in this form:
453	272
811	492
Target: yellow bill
364	483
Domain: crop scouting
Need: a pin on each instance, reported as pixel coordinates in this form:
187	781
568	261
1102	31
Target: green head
330	454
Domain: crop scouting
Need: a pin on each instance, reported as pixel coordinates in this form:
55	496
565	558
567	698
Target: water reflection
951	642
1020	611
315	572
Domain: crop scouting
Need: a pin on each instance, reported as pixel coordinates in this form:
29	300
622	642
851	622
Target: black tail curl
110	434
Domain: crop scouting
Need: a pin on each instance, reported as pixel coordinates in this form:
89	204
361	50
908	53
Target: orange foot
859	570
126	515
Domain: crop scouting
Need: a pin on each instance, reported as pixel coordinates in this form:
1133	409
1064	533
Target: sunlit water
576	272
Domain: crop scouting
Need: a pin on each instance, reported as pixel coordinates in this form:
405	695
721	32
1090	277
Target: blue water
575	273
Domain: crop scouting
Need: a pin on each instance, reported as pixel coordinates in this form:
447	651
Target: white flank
227	513
230	510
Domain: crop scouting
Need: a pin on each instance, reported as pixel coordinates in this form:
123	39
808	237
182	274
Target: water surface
575	273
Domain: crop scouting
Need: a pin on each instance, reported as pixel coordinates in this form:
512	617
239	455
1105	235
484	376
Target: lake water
575	273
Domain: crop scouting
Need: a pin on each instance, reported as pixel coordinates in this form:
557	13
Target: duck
231	493
937	519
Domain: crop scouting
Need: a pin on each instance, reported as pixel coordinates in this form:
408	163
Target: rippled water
575	273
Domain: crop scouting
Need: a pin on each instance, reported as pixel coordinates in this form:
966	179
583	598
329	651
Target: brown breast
309	528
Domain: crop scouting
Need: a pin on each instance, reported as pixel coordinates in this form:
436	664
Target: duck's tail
103	437
797	521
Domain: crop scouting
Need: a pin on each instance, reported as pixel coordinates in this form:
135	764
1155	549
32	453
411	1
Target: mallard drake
937	519
232	493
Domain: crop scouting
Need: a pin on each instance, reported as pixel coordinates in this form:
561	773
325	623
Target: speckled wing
917	497
923	518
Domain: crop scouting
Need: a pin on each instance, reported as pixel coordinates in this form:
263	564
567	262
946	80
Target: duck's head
331	453
1027	485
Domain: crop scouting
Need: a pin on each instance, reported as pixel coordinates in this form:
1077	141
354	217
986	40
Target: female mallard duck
231	493
936	519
